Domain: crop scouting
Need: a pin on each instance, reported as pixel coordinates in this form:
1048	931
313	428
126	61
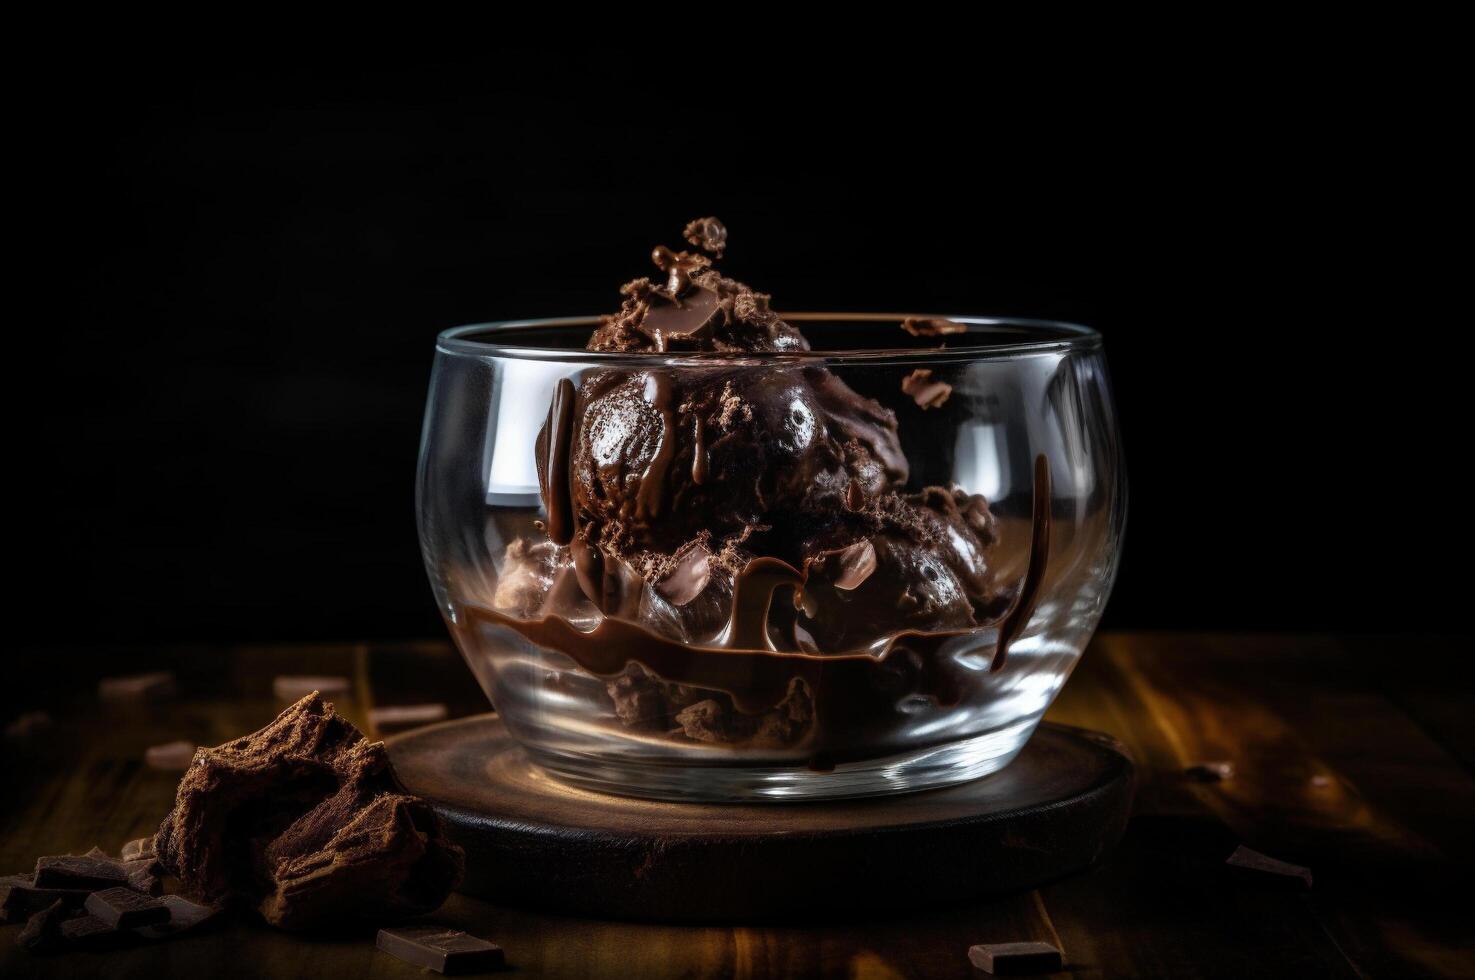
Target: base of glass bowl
905	772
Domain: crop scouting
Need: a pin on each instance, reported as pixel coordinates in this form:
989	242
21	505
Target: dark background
241	266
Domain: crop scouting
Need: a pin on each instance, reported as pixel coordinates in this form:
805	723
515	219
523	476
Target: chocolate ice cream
744	537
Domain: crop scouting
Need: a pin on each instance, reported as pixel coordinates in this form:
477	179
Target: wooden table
1355	758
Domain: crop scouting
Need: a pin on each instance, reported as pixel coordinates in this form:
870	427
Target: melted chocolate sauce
1039	556
553	455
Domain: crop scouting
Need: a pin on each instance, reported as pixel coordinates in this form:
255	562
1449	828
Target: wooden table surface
1355	758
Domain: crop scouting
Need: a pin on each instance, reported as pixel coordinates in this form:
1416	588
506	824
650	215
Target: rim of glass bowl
1054	336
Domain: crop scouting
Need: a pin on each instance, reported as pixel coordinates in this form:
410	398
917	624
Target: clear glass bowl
836	691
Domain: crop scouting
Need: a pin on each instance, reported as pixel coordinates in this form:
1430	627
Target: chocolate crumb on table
1210	772
124	908
1269	869
1014	959
170	757
447	951
406	714
137	687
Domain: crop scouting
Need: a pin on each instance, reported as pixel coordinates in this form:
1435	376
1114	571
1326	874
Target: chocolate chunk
184	916
689	575
447	951
1269	869
29	724
20	898
143	876
1013	959
395	715
89	930
707	234
43	930
931	326
90	871
135	850
305	821
138	687
855	565
924	391
170	757
679	324
124	908
1210	772
292	687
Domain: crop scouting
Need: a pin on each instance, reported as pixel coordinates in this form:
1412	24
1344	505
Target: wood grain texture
1352	758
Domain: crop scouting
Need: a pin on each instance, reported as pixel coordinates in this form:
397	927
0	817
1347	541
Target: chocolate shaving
707	234
931	326
924	391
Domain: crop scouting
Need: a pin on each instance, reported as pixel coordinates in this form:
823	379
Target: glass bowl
919	651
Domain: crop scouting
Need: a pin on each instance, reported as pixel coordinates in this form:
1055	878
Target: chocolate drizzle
553	463
650	498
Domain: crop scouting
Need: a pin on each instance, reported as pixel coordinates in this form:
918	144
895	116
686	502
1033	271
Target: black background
240	266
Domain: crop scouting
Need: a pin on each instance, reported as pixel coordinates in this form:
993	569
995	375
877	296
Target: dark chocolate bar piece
1013	959
184	915
19	897
124	908
443	950
43	930
1247	860
79	871
89	930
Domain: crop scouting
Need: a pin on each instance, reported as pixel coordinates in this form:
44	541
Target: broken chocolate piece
406	714
707	234
136	850
124	908
89	930
143	876
447	951
89	871
1210	772
305	821
1266	868
138	687
184	915
689	575
29	724
855	564
170	757
20	898
292	687
1013	959
924	391
43	930
919	326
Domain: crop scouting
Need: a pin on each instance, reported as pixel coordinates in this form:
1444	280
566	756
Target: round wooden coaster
532	841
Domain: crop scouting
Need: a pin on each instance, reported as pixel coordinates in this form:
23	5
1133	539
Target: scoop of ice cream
671	479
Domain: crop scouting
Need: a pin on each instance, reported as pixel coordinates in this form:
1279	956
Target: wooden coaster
532	841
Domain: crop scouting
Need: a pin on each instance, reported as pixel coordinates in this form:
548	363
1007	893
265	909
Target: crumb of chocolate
43	930
1009	959
931	326
1269	869
707	234
1210	772
926	392
305	821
